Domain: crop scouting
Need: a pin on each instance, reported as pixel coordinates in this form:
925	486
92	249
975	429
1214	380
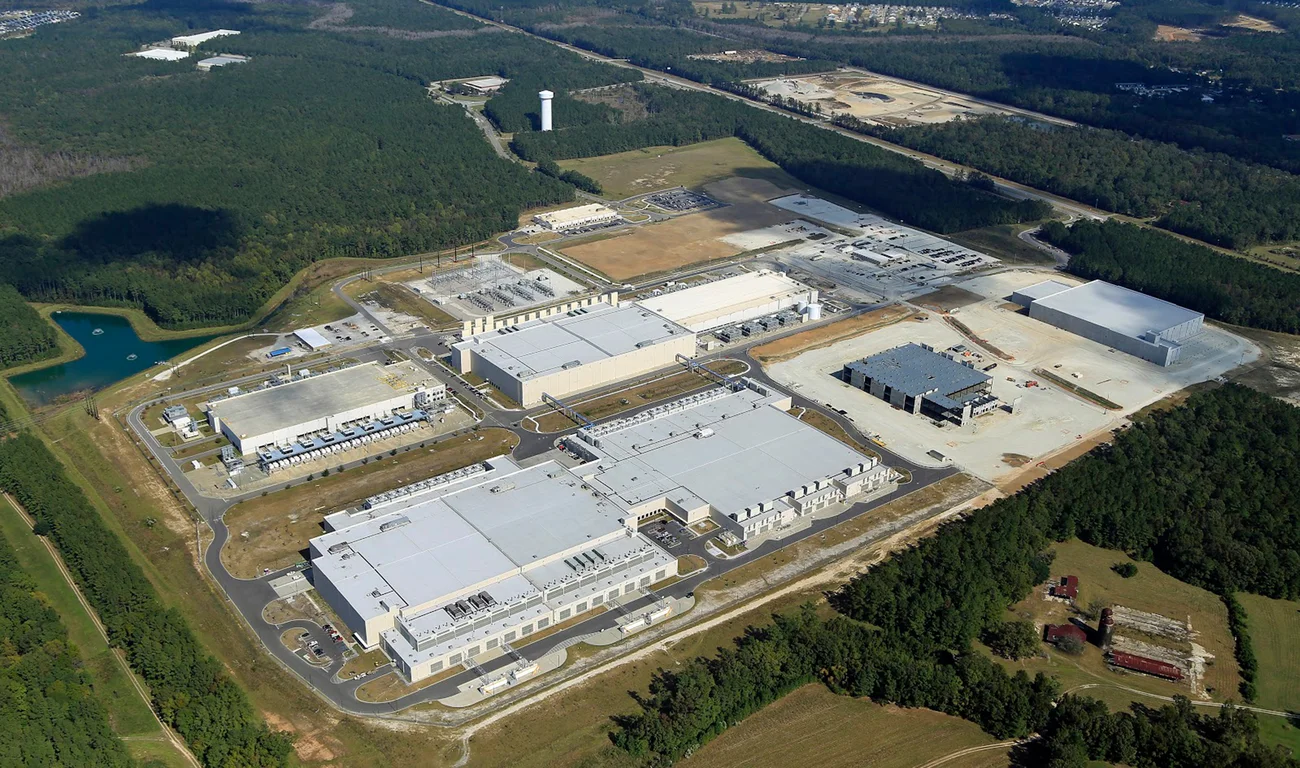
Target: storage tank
801	306
546	97
815	311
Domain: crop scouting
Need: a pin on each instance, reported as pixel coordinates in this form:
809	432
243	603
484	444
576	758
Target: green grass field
128	712
692	166
813	726
1274	626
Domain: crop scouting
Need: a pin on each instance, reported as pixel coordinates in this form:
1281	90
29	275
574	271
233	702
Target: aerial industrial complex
441	571
919	380
326	410
579	216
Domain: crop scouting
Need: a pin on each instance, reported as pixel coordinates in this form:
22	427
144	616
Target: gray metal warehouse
1132	322
917	379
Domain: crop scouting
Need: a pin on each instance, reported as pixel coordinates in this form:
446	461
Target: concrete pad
1048	418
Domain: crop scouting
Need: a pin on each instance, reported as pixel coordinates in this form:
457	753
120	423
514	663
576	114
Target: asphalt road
250	596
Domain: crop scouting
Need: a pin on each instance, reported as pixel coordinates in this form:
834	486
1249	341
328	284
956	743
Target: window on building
645	581
493	643
526	629
454	658
581	607
510	636
613	593
472	652
598	599
543	623
435	666
659	574
564	614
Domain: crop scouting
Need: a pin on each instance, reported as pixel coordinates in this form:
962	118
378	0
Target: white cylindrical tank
801	306
546	97
815	311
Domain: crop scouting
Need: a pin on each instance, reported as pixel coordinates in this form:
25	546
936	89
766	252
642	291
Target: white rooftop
693	306
202	37
582	336
310	336
752	452
1118	308
318	396
161	54
577	213
441	542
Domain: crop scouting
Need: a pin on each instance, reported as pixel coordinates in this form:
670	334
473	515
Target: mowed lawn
694	165
1274	627
814	727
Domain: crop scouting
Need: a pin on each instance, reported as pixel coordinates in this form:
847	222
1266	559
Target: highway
1071	208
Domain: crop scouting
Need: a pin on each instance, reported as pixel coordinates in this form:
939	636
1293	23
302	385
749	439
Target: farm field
279	525
1274	625
645	170
1150	590
813	726
685	240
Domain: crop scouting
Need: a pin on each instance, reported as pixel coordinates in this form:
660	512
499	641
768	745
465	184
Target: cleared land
278	525
819	420
813	726
1274	626
615	403
1002	241
685	240
399	298
1150	590
645	170
1254	24
1170	34
876	98
792	346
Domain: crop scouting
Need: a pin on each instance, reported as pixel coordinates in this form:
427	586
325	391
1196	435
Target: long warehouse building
455	566
1132	322
582	349
322	404
731	300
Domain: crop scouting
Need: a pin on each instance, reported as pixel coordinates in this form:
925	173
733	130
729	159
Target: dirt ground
1253	24
1168	34
947	298
279	525
876	98
826	335
684	240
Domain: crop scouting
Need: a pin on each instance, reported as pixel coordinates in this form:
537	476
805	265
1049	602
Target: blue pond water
111	355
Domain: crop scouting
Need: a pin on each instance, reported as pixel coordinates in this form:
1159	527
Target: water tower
546	97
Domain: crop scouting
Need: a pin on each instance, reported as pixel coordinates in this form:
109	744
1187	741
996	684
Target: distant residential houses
20	22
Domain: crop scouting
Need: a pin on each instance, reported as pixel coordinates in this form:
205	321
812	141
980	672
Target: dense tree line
1080	730
687	707
1206	491
326	145
24	335
1212	197
1224	287
191	691
580	180
1247	662
887	181
51	715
